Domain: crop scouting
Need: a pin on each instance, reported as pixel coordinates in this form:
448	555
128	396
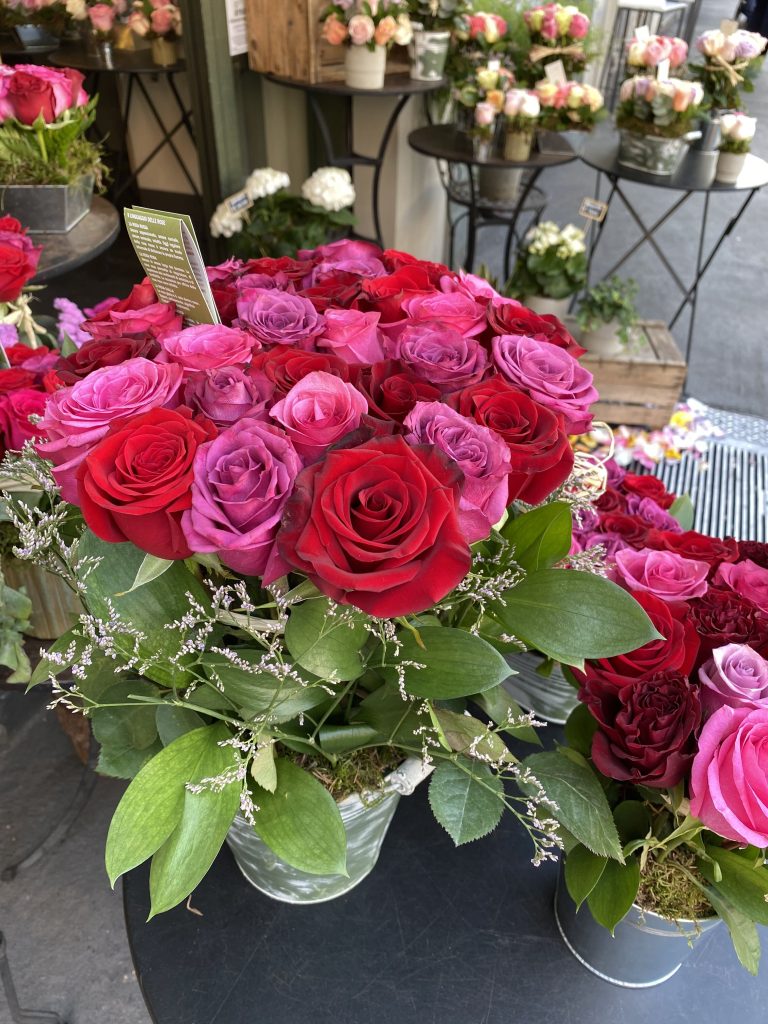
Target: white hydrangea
225	222
330	188
265	181
569	240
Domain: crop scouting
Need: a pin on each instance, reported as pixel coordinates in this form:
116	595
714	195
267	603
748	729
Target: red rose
15	409
385	295
611	501
755	551
646	727
136	483
225	298
18	259
723	617
631	529
377	527
295	270
284	367
391	389
337	290
17	354
514	318
648	487
30	96
52	382
95	354
694	545
541	455
394	260
15	378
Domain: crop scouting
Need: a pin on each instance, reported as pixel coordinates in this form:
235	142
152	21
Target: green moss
666	889
355	772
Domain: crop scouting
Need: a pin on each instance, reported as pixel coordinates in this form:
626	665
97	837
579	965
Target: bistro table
400	86
465	936
693	176
445	142
63	252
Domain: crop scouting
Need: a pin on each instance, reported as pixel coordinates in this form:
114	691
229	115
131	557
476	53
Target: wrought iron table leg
524	193
379	163
18	1015
469	260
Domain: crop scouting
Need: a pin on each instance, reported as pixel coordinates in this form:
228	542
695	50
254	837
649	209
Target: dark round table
90	238
400	86
461	936
445	142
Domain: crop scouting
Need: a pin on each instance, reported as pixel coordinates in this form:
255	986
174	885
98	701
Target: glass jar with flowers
736	133
551	267
655	121
368	31
160	23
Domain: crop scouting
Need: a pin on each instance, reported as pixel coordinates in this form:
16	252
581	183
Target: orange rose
385	31
334	30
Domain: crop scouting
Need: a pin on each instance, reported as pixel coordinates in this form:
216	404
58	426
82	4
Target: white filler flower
265	181
330	188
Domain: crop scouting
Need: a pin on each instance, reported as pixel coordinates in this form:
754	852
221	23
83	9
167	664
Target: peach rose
334	30
385	31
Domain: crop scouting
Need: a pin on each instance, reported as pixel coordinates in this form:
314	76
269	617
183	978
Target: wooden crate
642	385
291	46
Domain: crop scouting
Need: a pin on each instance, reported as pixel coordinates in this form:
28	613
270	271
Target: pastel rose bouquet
301	531
651	51
556	32
661	108
155	19
53	15
737	130
730	65
368	23
568	106
675	729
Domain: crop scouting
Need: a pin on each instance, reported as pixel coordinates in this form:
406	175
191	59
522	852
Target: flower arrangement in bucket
51	15
650	51
737	130
433	22
556	32
731	63
159	22
655	121
606	316
488	83
521	113
368	28
49	167
296	535
264	219
569	106
551	267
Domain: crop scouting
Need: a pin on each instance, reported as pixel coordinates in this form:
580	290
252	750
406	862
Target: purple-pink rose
352	335
652	514
614	473
667	575
278	318
549	375
729	776
439	355
455	309
735	675
347	255
241	483
76	418
318	410
228	394
746	578
612	542
471	285
209	347
481	455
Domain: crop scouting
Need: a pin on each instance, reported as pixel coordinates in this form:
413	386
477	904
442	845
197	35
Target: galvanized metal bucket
650	153
551	697
366	819
645	950
53	209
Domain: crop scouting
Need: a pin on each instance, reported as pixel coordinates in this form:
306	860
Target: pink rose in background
485	114
658	48
317	411
228	394
471	285
579	26
729	776
678	53
352	335
278	318
242	481
162	20
453	309
102	17
549	375
663	573
439	355
209	347
746	578
153	320
735	675
480	453
361	29
351	255
15	409
76	418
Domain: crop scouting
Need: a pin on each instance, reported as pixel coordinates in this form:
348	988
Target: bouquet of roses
737	130
360	23
155	19
652	50
731	64
661	108
556	32
568	106
303	539
53	15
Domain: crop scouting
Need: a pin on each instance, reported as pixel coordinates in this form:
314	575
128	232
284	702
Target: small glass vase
164	52
105	52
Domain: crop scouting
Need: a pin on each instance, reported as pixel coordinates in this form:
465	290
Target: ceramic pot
517	145
729	167
428	52
545	306
551	698
649	153
364	68
603	340
645	949
164	52
50	208
366	820
55	607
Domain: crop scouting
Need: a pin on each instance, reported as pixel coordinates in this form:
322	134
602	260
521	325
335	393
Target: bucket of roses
299	542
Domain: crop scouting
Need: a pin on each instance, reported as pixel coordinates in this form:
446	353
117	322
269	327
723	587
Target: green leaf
465	734
263	770
614	893
128	735
393	718
150	569
466	799
260	693
580	728
152	806
327	645
540	537
632	820
571	616
582	806
173	722
683	511
742	882
338	739
500	707
455	663
301	823
583	871
46	668
742	929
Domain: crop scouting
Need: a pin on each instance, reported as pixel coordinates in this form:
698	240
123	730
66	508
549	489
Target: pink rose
746	578
735	675
663	573
480	453
471	285
657	49
440	355
102	17
454	309
549	375
352	335
317	411
15	409
729	781
76	418
579	26
678	53
278	318
228	394
162	21
350	255
361	29
209	347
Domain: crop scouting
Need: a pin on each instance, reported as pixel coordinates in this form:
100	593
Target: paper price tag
593	209
239	201
643	33
728	27
662	71
555	72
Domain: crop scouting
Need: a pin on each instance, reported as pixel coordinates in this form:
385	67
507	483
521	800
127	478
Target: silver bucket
650	153
53	209
551	698
646	949
366	820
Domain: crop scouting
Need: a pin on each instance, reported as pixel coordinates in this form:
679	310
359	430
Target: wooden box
284	39
642	385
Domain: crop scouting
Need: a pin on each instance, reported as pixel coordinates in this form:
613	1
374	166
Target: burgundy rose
284	367
648	487
95	354
392	389
754	550
509	317
632	529
723	617
440	355
691	544
611	500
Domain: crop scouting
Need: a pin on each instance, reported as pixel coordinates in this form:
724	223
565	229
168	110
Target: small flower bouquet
521	114
433	23
304	542
103	17
368	28
52	15
731	63
736	133
556	32
266	220
653	118
651	51
160	22
568	106
552	263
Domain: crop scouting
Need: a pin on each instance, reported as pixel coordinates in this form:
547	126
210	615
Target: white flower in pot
737	131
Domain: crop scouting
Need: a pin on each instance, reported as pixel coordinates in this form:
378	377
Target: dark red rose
17	354
694	545
18	259
611	501
377	527
15	409
15	378
338	290
394	260
29	96
294	270
646	727
52	382
391	389
385	295
755	551
95	354
284	366
723	617
541	455
225	298
513	318
136	483
648	487
631	529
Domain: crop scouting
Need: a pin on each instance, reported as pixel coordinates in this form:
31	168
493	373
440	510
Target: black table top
394	85
461	936
447	142
601	151
137	62
87	240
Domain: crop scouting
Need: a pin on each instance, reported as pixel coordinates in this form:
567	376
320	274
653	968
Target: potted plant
433	22
290	596
49	167
521	112
654	119
606	316
569	106
551	267
731	64
736	134
161	24
368	31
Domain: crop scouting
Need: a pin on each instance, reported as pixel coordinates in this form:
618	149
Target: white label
662	71
239	201
728	27
237	31
555	72
642	32
593	209
494	65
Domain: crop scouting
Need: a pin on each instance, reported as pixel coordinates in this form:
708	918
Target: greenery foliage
279	224
57	153
607	301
